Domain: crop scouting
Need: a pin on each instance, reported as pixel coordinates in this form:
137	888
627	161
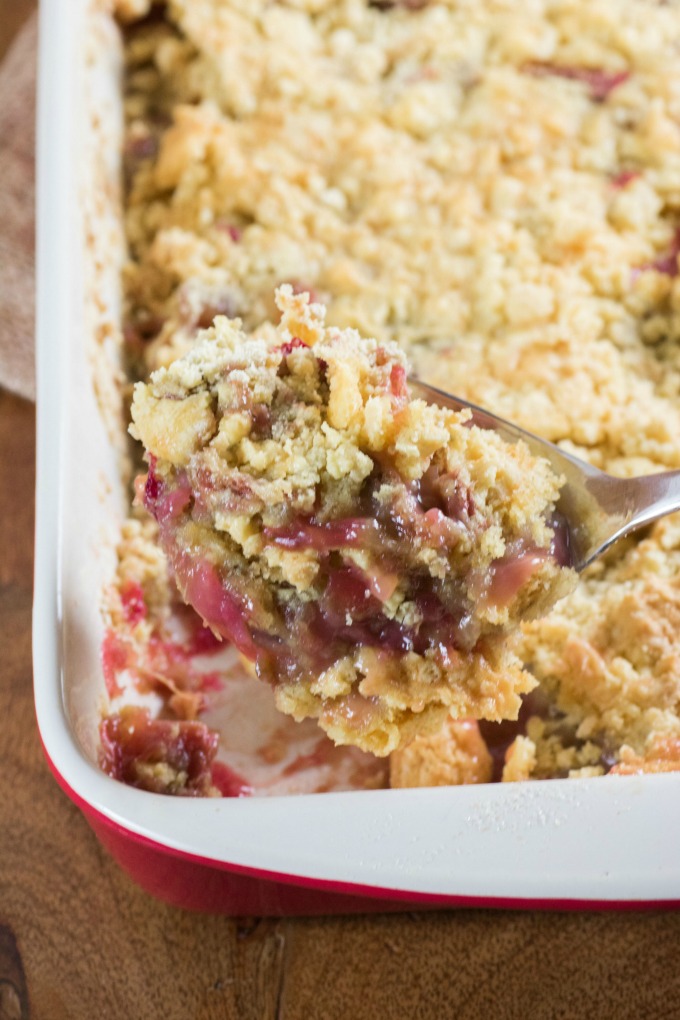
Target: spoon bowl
598	508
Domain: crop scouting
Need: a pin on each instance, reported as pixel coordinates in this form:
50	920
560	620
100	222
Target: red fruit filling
600	83
221	605
291	345
157	662
667	263
139	148
114	656
399	384
234	232
153	485
390	5
159	755
625	177
134	606
290	637
348	532
168	501
511	573
228	781
202	642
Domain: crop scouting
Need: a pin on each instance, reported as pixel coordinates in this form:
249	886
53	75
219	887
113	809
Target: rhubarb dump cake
371	553
493	187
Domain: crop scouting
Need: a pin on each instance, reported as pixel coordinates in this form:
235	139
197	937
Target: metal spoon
598	508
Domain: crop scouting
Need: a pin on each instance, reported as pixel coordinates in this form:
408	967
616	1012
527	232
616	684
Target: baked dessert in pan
493	188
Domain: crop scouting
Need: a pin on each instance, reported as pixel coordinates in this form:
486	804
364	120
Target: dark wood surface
78	941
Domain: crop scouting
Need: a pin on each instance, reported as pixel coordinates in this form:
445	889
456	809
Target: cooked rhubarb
163	756
369	552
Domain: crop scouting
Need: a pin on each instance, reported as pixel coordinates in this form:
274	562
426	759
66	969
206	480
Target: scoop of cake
370	553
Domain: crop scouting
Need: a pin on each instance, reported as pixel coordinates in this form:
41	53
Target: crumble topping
162	756
494	189
609	656
455	755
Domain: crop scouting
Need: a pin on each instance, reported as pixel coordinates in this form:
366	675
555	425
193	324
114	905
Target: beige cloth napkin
17	193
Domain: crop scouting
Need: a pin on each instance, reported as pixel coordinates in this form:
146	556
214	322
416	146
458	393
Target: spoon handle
630	503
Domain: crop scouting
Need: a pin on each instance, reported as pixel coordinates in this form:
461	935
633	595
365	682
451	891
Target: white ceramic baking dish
597	842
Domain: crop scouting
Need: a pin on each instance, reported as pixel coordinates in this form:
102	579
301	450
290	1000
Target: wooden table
78	941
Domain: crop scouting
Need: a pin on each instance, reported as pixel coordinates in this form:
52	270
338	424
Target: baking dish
568	843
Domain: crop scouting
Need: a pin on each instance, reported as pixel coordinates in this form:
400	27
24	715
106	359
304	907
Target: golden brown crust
662	755
131	10
454	755
609	653
543	299
520	760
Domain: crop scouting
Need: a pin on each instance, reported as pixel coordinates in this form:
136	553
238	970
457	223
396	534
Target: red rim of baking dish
402	897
